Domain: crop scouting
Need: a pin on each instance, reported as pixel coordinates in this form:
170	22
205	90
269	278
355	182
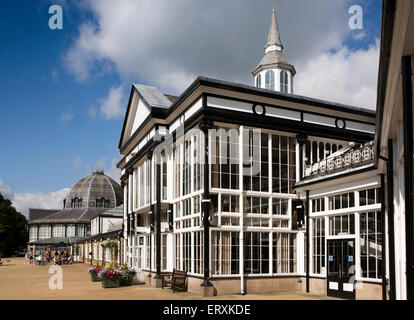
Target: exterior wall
369	291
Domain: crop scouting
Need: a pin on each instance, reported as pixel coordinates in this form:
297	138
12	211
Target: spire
273	38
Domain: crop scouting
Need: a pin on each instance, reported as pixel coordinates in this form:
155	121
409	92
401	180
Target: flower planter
127	281
94	277
110	283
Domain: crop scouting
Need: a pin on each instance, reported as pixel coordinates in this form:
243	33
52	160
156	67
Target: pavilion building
253	188
58	229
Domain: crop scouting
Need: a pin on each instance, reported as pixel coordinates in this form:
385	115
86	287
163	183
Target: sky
64	92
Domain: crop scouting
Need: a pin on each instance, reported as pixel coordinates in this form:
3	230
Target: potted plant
110	278
95	272
126	275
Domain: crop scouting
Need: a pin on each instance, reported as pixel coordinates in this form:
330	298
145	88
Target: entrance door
341	268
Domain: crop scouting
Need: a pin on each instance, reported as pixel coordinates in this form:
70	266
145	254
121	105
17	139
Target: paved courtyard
23	281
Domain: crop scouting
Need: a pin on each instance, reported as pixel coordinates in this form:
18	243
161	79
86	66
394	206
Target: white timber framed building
255	189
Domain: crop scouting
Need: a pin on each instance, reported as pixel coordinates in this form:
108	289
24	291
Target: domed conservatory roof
94	191
89	197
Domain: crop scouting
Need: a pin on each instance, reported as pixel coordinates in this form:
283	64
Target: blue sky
58	120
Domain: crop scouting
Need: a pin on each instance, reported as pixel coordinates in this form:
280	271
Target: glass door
341	268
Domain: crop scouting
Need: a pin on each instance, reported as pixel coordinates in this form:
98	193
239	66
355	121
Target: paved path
23	281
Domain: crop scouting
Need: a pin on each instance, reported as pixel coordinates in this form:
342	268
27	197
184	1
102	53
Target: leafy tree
13	228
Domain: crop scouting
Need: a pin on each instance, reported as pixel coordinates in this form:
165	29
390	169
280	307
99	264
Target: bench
177	280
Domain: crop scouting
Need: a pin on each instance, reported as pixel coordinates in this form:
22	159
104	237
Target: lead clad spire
273	38
274	71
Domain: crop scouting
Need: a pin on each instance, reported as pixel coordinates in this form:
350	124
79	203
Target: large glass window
370	196
225	252
225	159
256	252
318	243
256	205
342	225
371	245
270	80
284	252
230	203
284	81
59	231
198	252
318	205
280	206
342	201
283	164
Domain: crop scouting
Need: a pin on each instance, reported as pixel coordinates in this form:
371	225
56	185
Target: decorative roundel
340	123
259	109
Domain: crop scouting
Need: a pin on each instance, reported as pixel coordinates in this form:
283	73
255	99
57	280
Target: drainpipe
384	280
205	126
408	172
307	241
158	209
390	213
242	290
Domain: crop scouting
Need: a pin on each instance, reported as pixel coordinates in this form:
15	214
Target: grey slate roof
70	216
116	212
152	96
35	214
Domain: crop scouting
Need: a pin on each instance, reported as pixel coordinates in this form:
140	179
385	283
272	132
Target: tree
13	228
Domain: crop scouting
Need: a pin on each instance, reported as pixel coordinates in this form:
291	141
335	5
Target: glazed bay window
198	160
225	252
257	164
342	225
70	231
198	253
284	253
177	170
256	222
81	230
230	203
177	248
342	201
256	205
225	159
279	207
318	205
187	167
230	221
33	233
370	196
371	245
256	252
58	231
318	245
283	164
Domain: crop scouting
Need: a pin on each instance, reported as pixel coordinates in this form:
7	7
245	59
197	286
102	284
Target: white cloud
344	76
113	171
67	116
22	201
6	191
169	43
92	112
112	106
52	200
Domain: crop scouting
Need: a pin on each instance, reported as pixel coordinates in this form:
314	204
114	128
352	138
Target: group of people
62	258
45	257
